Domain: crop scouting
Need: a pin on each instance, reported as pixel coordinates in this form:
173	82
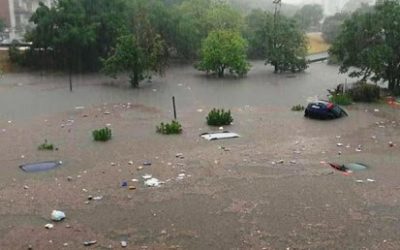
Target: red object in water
338	167
329	106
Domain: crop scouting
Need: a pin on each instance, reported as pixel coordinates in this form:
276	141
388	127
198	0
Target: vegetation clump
103	134
219	117
169	128
364	92
298	108
341	99
46	146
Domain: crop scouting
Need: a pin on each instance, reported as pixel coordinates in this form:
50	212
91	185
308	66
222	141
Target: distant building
16	14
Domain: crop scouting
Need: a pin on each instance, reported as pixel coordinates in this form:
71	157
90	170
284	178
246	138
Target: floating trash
219	136
348	167
40	166
152	182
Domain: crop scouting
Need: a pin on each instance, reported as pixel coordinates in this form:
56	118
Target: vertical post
345	85
174	106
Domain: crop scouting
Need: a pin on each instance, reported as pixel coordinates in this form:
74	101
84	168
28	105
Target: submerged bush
219	117
341	99
46	146
298	108
103	134
169	128
364	92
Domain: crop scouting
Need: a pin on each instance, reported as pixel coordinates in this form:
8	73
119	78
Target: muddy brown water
234	199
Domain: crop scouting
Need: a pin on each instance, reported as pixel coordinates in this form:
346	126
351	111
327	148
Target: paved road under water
232	194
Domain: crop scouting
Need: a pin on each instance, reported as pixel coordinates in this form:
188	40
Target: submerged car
324	110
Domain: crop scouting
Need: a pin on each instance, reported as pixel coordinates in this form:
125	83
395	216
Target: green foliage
2	28
309	16
332	26
369	42
341	99
298	108
74	34
169	128
15	55
103	134
136	57
219	117
281	42
363	92
46	146
224	50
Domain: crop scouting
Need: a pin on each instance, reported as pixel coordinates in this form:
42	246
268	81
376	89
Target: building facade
16	15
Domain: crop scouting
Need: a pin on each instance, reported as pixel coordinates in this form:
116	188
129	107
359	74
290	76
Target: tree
222	50
368	44
332	26
277	40
137	58
309	16
2	28
257	31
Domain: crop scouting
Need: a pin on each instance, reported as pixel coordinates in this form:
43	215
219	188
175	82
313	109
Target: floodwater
264	190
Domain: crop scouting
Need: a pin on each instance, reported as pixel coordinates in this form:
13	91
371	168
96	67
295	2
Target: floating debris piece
124	184
89	243
124	244
370	180
49	226
359	181
130	162
219	136
147	176
57	215
339	144
40	166
147	163
152	182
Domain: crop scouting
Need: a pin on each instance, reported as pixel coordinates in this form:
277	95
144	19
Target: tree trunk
221	71
134	79
70	78
392	84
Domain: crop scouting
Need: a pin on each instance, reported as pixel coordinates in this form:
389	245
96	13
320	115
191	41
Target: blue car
324	110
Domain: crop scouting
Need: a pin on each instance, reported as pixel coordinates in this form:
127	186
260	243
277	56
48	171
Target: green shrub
46	146
103	134
298	108
364	92
219	117
341	99
169	128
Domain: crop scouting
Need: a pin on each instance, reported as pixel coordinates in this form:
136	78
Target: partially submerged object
348	167
40	166
219	136
324	110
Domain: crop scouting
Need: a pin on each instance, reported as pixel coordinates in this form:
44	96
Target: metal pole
174	106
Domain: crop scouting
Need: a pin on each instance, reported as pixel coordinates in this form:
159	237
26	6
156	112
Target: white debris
339	144
97	198
370	180
152	182
147	176
49	226
199	110
9	122
130	162
359	181
376	110
79	107
124	244
57	215
221	128
134	180
338	137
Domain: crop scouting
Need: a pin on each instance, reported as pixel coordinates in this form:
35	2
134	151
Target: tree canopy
368	45
223	50
136	56
309	16
332	26
279	41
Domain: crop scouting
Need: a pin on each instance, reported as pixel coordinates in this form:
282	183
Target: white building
19	13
